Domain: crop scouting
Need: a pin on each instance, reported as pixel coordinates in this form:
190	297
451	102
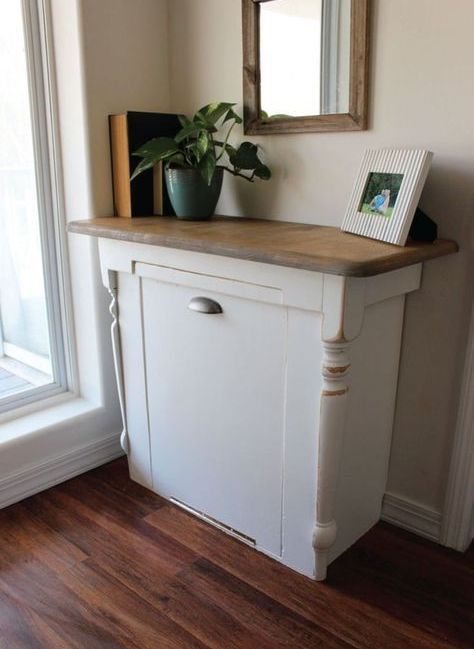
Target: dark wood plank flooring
99	562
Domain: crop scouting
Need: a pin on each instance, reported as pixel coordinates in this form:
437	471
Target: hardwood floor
99	562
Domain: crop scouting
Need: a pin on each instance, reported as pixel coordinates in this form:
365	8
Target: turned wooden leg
335	367
112	287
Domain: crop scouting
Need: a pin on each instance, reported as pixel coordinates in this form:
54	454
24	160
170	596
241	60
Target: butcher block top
297	245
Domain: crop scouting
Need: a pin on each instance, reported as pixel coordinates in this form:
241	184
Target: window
32	341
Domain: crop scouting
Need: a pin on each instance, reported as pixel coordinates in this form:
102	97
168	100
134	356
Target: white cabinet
245	417
270	417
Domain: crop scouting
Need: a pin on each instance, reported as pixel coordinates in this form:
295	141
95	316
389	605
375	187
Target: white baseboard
47	473
412	517
42	475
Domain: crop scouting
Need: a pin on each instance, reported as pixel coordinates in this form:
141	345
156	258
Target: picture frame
386	194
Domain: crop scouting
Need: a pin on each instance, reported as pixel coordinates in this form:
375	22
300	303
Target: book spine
158	189
118	130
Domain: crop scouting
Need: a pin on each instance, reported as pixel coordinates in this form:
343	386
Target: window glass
25	325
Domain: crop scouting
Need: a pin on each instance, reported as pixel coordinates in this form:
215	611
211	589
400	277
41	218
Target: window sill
67	409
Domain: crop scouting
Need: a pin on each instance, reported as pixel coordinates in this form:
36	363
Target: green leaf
188	131
212	113
152	152
207	166
183	120
195	147
263	172
231	114
193	152
246	156
279	116
203	142
177	158
230	150
225	145
158	148
143	165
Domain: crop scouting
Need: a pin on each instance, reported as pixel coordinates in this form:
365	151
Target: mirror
305	65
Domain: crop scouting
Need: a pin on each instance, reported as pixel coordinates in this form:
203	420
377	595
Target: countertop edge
439	248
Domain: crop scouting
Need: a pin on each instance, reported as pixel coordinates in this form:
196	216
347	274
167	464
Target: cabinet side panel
130	321
371	402
302	423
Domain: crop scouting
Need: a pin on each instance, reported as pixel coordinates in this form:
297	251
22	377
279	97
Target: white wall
422	91
106	53
125	66
119	62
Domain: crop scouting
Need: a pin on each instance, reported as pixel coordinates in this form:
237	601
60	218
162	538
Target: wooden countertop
310	247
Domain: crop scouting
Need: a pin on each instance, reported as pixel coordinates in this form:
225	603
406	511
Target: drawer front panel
216	393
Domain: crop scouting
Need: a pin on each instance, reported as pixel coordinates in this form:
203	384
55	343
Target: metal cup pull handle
204	305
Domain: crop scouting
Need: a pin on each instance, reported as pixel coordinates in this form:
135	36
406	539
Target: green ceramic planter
191	197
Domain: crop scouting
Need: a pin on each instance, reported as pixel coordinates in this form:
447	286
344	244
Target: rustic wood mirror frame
354	120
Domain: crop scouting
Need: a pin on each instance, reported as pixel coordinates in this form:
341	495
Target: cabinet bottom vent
215	523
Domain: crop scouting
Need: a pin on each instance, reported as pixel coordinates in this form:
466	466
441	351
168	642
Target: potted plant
195	160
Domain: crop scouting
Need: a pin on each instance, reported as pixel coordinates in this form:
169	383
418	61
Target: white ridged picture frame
414	164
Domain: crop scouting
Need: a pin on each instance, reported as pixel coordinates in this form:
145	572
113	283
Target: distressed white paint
247	417
333	406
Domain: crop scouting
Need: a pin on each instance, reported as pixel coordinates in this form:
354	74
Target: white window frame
43	107
331	12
